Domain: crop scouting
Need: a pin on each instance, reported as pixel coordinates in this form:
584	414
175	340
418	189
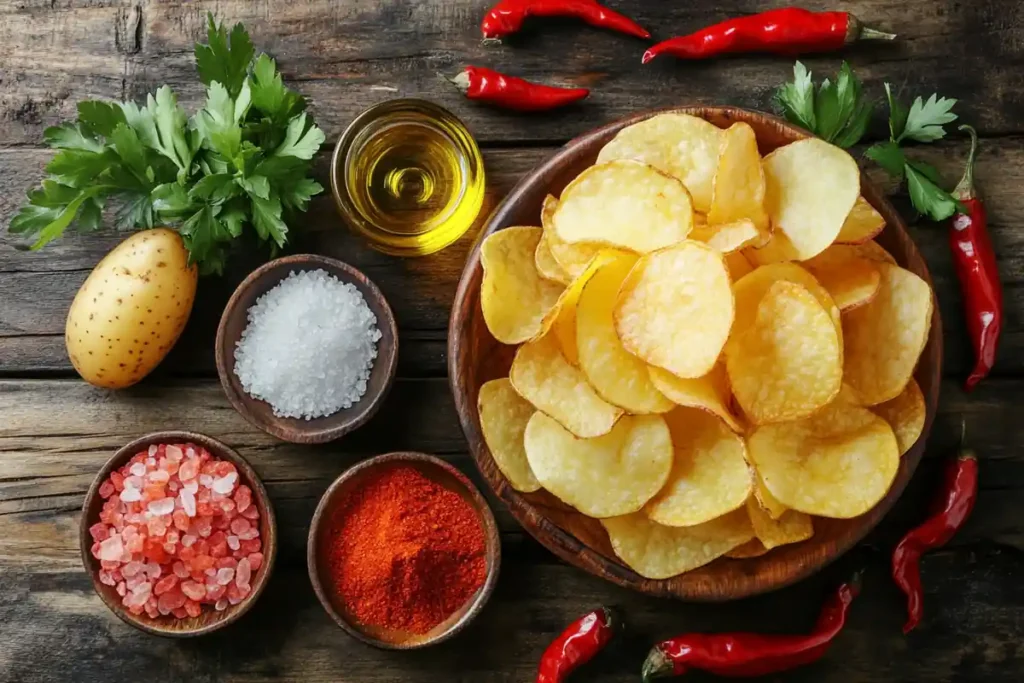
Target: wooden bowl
234	320
444	474
474	357
210	620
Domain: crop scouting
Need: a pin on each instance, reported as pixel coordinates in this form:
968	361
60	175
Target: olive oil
408	176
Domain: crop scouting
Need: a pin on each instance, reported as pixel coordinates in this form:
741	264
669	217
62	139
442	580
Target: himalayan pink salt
251	513
232	541
243	498
255	560
121	589
107	489
226	484
174	453
130	494
206	480
240	525
187	500
225	575
249	534
111	549
105	578
164	506
165	584
243	573
137	469
221	605
193	608
99	532
193	590
188	469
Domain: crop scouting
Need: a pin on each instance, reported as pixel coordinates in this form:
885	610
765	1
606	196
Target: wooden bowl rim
306	431
484	514
566	545
216	447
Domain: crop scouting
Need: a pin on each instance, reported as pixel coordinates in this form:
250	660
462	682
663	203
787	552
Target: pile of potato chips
713	349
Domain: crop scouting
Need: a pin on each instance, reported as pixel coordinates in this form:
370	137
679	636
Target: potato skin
131	309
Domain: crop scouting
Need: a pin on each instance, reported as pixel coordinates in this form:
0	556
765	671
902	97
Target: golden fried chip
750	289
514	297
605	476
769	503
573	259
547	266
710	475
503	418
680	145
675	309
862	224
728	237
710	392
905	414
739	185
873	251
570	295
738	265
850	279
748	550
656	551
790	527
564	330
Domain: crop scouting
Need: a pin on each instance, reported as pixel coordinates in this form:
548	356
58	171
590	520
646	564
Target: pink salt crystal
188	469
157	526
136	543
165	584
226	484
110	564
215	592
152	450
121	589
190	451
179	569
99	532
139	595
221	605
222	523
188	502
251	513
117	479
202	562
236	594
255	560
135	609
206	480
253	546
211	574
164	506
228	507
159	476
233	542
204	525
191	486
243	573
193	608
151	609
153	570
173	486
107	489
187	540
240	525
243	498
131	569
111	549
225	575
172	599
105	578
130	494
180	612
174	453
138	469
169	548
249	534
227	562
193	590
135	482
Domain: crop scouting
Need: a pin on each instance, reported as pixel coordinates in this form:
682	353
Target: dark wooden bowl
443	473
259	413
475	357
210	620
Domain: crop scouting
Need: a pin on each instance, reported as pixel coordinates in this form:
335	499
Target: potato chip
748	550
605	476
710	393
618	376
905	414
769	503
811	186
564	330
542	376
838	463
675	309
850	279
885	338
788	363
861	224
571	294
790	527
624	204
728	237
514	297
656	551
873	251
680	145
739	185
710	475
547	266
776	249
738	265
503	418
750	289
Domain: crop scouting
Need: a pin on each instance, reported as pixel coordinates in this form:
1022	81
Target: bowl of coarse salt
307	348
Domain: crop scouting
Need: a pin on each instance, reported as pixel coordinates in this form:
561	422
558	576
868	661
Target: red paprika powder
405	552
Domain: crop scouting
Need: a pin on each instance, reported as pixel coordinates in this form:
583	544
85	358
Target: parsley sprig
839	113
242	160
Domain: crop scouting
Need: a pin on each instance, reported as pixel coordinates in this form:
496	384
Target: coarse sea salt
309	346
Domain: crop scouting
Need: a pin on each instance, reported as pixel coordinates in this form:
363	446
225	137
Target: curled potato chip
905	414
851	280
656	551
605	476
710	475
837	463
680	145
503	418
570	295
885	338
675	309
788	363
769	503
573	259
547	266
624	204
739	185
750	289
873	251
748	550
618	376
861	224
564	330
710	392
790	527
542	376
728	237
514	297
738	265
811	186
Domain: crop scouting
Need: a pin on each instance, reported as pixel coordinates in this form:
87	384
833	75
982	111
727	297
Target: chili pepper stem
460	81
965	188
657	665
856	31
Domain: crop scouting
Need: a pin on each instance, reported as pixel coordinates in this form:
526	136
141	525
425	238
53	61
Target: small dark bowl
259	413
444	474
210	620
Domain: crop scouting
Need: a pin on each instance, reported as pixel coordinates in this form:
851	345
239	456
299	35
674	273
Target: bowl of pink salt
178	534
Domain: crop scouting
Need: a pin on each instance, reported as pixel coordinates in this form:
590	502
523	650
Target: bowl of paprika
403	551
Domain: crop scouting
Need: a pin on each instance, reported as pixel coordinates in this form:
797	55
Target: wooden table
55	431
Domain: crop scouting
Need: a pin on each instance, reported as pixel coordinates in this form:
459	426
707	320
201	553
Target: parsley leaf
266	218
796	99
889	156
897	115
837	112
269	94
99	118
927	197
225	59
300	141
926	119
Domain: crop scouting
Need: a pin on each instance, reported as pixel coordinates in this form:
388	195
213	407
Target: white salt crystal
130	494
111	548
206	480
164	506
188	502
152	450
225	575
224	484
233	542
138	469
192	486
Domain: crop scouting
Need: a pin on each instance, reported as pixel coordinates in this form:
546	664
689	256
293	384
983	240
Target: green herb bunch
839	113
242	160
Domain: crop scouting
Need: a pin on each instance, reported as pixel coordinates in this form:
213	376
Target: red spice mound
405	552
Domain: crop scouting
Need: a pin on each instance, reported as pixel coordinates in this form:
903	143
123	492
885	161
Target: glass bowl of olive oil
407	175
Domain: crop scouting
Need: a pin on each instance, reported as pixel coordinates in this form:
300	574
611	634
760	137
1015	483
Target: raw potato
513	296
811	186
751	289
131	309
675	309
850	279
624	204
885	338
655	551
790	527
728	237
788	363
739	184
680	145
618	376
862	224
542	376
710	475
606	476
503	418
710	393
905	414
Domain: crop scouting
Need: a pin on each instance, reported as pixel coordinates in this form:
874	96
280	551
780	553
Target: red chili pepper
787	31
577	645
742	655
507	16
510	92
975	263
953	507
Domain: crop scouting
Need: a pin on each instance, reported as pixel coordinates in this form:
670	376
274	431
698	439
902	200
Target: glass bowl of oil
407	175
